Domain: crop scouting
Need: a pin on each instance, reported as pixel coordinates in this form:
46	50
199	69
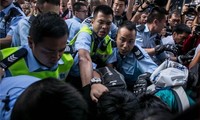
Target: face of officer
101	24
49	51
125	40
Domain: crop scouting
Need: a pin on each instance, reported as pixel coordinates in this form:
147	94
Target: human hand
171	48
97	90
140	85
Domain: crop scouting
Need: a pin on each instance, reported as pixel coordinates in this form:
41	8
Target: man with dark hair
132	60
9	18
117	105
94	49
44	55
80	12
120	15
20	34
174	18
147	35
53	100
179	34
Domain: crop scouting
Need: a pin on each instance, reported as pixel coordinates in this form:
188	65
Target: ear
92	20
155	21
30	42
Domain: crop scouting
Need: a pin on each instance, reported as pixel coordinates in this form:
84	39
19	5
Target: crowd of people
99	60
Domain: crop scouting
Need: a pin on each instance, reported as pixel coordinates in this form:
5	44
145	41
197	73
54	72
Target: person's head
152	108
94	3
180	33
117	105
102	20
189	22
44	6
50	99
80	10
119	7
69	5
156	20
63	5
5	3
83	1
143	17
174	18
47	38
126	37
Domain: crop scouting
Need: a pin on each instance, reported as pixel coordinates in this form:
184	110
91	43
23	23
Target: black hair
176	12
77	6
47	25
117	105
105	9
156	13
54	2
129	25
50	99
181	28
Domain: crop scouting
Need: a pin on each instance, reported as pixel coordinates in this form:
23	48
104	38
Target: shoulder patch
137	53
140	28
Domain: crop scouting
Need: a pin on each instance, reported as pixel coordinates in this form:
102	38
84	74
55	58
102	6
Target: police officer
132	60
9	17
20	33
147	36
44	55
94	48
80	13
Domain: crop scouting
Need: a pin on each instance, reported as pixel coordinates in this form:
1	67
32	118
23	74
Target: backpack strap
181	98
14	57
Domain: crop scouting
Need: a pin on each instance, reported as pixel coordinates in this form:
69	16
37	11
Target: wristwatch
95	80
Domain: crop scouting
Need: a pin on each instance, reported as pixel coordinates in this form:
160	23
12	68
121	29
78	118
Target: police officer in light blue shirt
9	17
20	33
132	60
147	35
10	89
80	13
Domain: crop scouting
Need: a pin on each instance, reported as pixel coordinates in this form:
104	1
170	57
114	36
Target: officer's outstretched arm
85	66
150	51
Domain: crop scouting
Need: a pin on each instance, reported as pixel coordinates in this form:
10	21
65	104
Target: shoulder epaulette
14	57
137	53
140	28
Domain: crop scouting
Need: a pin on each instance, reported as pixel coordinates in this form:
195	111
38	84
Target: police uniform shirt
10	25
145	40
131	67
84	41
73	26
20	33
33	64
13	87
168	40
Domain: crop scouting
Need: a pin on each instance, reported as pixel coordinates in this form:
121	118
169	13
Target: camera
192	8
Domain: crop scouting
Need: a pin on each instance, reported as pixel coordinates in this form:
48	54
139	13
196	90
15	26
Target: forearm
129	9
5	42
195	60
86	69
150	51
